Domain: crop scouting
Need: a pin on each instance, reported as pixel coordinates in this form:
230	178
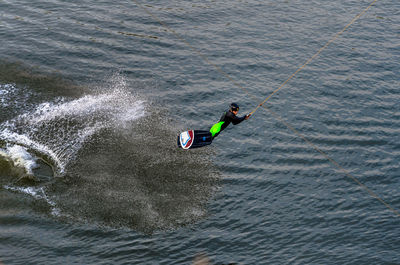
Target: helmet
234	107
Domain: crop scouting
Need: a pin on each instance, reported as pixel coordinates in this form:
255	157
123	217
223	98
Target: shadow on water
23	87
114	157
43	83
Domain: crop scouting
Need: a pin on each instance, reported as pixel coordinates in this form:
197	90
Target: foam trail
37	193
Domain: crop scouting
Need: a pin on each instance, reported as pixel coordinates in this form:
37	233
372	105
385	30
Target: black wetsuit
227	118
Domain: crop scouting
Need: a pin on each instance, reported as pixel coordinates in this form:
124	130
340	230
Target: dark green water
93	94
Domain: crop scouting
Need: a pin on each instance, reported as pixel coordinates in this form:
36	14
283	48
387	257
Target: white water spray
20	157
58	129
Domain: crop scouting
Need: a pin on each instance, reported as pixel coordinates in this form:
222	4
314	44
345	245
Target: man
226	119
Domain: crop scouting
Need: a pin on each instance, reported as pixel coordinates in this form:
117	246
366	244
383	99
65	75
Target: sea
94	93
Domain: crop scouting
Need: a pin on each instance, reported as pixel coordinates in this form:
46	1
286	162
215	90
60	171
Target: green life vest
216	128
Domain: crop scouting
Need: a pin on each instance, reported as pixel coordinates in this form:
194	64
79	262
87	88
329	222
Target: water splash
6	92
58	129
20	157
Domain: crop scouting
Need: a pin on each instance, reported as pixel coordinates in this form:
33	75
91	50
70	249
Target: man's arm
237	120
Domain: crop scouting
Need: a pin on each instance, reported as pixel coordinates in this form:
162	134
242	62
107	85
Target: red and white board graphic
186	139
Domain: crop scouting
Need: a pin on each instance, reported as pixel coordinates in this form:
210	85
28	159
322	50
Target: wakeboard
194	139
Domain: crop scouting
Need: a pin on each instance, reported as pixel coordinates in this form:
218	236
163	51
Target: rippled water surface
93	94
